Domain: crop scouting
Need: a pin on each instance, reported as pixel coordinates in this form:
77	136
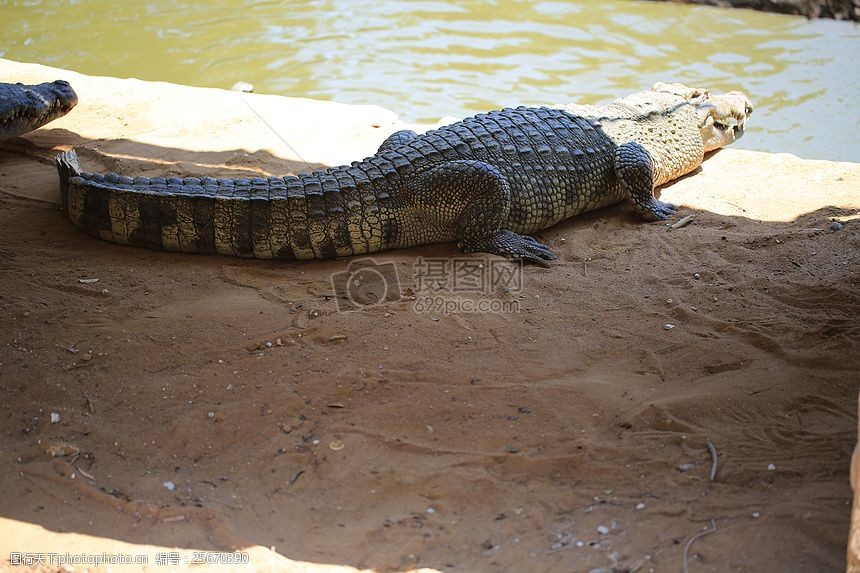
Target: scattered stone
335	445
756	515
697	276
62	449
836	226
512	449
602	529
86	357
210	415
338	337
244	87
173	519
685	467
279	342
55	417
640	506
268	344
682	222
88	281
430	510
668	326
169	485
771	467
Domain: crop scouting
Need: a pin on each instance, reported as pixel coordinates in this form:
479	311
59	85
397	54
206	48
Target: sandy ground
568	436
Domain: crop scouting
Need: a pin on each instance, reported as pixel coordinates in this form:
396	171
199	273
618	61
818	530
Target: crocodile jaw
723	118
34	106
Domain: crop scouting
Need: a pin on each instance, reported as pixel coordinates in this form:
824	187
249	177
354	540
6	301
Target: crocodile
488	182
24	108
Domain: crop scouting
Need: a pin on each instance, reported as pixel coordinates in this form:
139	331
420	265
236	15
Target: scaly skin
25	108
486	182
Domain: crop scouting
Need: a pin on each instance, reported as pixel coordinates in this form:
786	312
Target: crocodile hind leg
479	198
397	139
634	169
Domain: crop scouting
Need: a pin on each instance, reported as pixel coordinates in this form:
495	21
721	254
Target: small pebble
697	276
210	415
170	485
770	467
756	514
580	543
268	344
242	87
685	467
602	529
430	510
55	417
668	326
836	226
640	505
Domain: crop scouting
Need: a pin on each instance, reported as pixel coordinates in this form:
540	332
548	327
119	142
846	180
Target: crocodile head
25	108
721	117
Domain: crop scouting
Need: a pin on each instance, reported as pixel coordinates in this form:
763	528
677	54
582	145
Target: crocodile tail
67	167
315	215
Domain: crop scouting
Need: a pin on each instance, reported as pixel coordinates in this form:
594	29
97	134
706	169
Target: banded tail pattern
323	214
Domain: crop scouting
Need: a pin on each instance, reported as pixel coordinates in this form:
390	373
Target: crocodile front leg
634	169
480	200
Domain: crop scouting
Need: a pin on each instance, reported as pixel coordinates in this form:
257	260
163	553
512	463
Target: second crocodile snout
24	108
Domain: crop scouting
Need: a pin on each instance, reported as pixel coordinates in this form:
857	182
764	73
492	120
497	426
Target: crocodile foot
655	210
513	246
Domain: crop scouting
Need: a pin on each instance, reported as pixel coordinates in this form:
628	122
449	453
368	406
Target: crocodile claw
657	211
528	249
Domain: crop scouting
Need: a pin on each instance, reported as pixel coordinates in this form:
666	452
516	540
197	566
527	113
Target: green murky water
425	60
